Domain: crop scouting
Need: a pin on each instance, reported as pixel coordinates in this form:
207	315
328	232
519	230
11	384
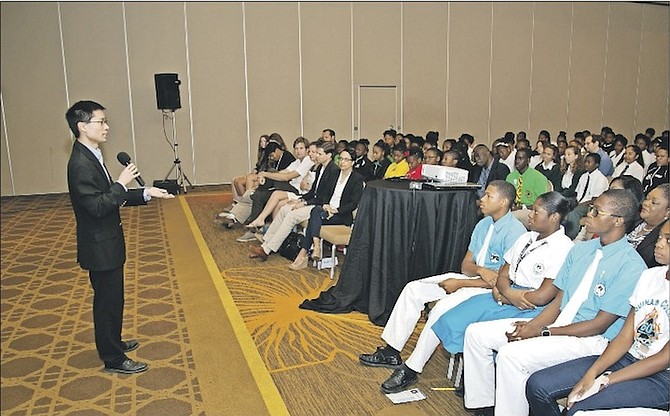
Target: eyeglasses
101	122
595	212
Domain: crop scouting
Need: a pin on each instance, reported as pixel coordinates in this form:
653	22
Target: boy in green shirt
528	182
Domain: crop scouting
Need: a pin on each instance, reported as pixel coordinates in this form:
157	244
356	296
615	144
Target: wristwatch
545	332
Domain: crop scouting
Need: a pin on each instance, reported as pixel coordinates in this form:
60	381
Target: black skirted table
399	235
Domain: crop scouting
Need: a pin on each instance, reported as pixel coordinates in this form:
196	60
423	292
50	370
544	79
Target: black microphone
124	159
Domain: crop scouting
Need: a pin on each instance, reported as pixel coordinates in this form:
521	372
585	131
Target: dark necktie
623	172
588	179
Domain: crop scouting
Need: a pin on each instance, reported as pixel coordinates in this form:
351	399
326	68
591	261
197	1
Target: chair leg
459	372
332	261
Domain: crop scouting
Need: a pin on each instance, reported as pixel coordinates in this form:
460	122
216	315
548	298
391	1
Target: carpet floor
222	333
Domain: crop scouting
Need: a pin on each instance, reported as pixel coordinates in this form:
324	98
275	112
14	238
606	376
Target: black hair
596	138
651	132
385	148
416	152
546	134
328	147
400	147
554	202
81	111
594	156
524	141
644	137
433	137
390	132
638	154
467	138
621	138
271	147
525	150
631	184
330	131
438	152
506	191
605	130
621	202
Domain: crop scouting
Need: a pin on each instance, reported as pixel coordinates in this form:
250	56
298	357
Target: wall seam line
130	91
188	89
302	115
637	84
532	56
490	75
9	154
607	45
62	53
246	80
572	28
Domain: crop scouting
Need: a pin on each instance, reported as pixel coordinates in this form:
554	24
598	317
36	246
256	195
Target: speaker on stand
168	100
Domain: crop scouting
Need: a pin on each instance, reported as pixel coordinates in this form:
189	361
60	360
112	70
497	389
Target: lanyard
525	252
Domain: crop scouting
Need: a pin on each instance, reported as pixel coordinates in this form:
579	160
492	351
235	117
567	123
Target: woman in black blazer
572	169
339	210
655	211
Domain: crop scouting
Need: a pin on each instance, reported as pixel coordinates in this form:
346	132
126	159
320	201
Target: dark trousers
262	194
544	387
108	301
317	218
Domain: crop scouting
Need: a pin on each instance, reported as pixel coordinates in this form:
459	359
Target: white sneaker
247	237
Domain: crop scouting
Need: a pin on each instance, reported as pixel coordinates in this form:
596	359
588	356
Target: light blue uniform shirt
614	281
505	232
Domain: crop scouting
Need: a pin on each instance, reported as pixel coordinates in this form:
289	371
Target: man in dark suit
486	169
101	249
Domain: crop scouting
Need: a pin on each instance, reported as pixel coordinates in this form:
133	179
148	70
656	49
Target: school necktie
519	185
586	187
623	172
481	256
581	294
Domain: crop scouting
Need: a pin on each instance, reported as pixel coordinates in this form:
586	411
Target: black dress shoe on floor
401	378
130	345
381	358
484	411
127	367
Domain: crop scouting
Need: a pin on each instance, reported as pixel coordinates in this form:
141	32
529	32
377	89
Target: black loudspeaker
169	185
167	91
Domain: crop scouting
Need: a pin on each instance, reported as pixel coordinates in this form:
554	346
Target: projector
444	174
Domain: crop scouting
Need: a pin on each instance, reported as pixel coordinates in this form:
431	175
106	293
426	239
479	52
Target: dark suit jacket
379	169
571	191
321	195
351	196
499	171
96	202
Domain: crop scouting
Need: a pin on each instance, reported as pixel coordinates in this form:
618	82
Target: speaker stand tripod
181	179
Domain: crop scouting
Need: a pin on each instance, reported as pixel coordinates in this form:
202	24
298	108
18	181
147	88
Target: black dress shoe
127	367
459	391
485	411
401	378
381	358
130	345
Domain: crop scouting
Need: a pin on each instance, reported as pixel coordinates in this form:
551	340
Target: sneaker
381	358
247	237
259	237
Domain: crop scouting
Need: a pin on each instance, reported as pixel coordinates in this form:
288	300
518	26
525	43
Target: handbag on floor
291	246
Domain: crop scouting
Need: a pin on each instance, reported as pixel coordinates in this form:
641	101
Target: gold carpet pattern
49	362
312	357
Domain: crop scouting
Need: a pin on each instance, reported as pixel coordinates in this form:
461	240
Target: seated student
447	145
655	211
620	143
362	164
239	184
304	163
433	156
587	312
525	281
487	169
451	158
299	210
528	182
248	205
399	167
380	159
633	369
506	154
492	237
339	147
632	164
657	173
339	210
572	169
549	166
591	185
642	142
286	179
415	162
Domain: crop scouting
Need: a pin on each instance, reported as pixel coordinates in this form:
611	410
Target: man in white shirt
591	184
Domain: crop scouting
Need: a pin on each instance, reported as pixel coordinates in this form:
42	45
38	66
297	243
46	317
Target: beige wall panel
6	186
510	77
425	67
469	63
623	53
33	91
96	69
216	52
551	67
376	47
589	42
653	92
273	68
156	45
326	68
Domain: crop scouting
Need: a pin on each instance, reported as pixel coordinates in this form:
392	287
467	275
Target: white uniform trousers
281	226
407	311
242	209
504	385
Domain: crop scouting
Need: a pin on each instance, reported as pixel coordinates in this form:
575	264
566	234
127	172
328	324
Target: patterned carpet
176	306
49	362
312	357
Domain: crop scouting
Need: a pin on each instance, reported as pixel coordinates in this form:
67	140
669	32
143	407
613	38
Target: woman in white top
620	143
633	369
572	167
632	165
